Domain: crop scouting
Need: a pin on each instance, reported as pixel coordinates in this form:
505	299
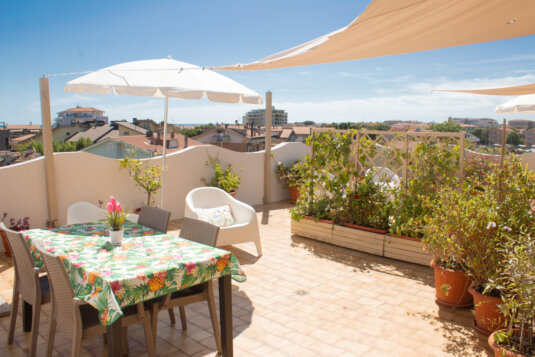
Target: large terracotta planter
294	194
458	295
6	244
488	317
500	351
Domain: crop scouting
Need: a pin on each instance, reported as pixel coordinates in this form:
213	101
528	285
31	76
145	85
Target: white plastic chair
384	176
245	228
81	212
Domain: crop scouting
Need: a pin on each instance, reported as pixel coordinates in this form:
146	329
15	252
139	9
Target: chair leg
126	349
35	327
76	343
183	320
149	338
51	337
258	247
13	318
213	315
172	316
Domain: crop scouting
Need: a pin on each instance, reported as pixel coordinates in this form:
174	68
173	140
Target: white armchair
81	212
245	228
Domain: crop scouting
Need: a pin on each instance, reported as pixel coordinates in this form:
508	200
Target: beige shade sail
515	90
392	27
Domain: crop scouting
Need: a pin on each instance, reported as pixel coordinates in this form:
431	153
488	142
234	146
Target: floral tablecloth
146	265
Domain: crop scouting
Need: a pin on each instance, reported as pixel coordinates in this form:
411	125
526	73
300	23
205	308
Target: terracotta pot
137	210
364	228
458	295
500	351
6	244
294	194
233	193
488	317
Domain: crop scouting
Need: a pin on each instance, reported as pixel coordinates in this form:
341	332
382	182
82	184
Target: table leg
26	316
115	339
225	312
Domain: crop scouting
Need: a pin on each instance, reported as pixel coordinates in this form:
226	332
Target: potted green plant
516	282
498	208
20	224
146	177
224	178
291	177
440	231
432	167
368	205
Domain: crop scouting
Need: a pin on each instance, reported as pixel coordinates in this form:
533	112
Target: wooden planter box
315	230
360	240
408	250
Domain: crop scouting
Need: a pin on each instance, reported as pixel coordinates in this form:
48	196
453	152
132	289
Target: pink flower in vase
113	201
109	207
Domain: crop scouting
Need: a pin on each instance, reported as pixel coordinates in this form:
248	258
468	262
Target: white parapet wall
81	176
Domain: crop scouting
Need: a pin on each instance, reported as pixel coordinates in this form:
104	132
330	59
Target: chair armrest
242	212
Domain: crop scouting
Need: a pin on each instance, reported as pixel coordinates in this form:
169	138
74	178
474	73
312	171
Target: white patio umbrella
524	104
164	78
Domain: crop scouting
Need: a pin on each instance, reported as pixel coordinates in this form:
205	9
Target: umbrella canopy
525	104
515	90
391	27
164	78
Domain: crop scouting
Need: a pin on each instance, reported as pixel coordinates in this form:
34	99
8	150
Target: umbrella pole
164	149
50	175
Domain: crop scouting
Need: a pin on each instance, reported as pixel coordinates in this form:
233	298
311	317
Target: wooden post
504	134
461	160
358	153
406	159
164	147
267	150
50	174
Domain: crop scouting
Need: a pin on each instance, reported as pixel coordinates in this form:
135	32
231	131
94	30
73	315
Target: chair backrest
24	263
199	231
81	212
61	289
207	197
155	218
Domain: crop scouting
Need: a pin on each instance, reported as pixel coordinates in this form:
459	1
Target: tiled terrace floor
302	298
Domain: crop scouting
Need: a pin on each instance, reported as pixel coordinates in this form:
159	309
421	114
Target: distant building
80	115
521	123
257	117
496	134
148	124
479	122
529	137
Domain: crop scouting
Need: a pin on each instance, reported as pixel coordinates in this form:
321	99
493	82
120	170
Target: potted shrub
20	224
291	177
440	232
516	282
368	205
146	177
432	167
499	207
224	178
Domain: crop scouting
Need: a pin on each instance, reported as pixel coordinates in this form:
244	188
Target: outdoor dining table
148	264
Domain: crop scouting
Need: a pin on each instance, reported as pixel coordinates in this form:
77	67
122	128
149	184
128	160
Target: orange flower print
95	293
104	317
92	277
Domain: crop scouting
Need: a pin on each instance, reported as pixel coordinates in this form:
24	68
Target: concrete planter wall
382	245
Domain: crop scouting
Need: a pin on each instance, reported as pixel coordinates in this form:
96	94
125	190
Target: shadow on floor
265	209
455	325
363	261
244	257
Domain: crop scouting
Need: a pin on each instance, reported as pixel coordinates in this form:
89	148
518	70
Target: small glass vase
116	237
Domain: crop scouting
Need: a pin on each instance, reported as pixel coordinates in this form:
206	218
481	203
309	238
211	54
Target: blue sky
39	37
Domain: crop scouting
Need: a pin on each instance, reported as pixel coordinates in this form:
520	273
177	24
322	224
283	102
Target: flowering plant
115	216
21	224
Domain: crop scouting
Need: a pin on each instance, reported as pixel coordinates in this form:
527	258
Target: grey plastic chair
155	218
200	232
32	288
76	318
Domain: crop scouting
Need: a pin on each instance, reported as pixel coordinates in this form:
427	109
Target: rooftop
301	298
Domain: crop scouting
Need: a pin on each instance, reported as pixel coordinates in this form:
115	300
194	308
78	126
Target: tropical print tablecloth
146	265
